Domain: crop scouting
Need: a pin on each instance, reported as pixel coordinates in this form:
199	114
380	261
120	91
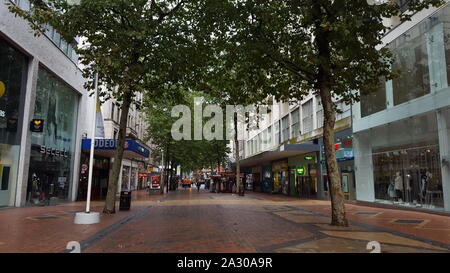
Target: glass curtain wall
13	68
53	150
407	168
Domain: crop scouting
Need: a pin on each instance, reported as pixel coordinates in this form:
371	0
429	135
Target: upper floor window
375	101
295	117
411	62
277	133
285	128
307	113
319	112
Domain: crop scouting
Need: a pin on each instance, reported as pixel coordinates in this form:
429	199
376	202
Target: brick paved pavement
187	221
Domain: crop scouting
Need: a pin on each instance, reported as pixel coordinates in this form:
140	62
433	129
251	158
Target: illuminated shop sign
309	157
37	125
301	170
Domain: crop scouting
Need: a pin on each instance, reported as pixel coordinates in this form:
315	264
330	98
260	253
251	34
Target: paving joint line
86	243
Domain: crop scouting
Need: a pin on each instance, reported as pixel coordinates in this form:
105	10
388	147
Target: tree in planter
133	45
323	46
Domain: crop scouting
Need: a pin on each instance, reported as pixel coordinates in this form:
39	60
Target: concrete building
41	104
401	133
285	153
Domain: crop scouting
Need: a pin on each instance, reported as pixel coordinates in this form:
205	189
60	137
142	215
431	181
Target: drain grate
404	221
45	218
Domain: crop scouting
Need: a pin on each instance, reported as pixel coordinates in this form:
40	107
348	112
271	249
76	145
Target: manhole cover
402	221
367	212
45	218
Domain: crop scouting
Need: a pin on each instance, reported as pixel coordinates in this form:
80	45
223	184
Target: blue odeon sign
111	144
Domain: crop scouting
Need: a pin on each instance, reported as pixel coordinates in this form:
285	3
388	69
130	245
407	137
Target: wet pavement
187	221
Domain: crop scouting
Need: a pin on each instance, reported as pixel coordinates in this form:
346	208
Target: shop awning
283	151
107	147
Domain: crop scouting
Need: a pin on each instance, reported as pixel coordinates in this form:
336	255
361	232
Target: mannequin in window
52	129
398	184
424	182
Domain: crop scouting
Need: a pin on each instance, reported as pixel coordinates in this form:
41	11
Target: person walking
198	185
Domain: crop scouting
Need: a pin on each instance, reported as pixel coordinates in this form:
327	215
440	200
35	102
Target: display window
410	176
125	177
13	67
53	149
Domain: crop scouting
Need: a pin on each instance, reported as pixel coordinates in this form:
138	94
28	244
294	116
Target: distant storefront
135	173
303	174
256	178
344	155
280	177
267	179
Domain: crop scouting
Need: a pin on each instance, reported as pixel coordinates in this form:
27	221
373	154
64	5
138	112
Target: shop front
53	147
256	178
280	177
267	181
13	68
344	155
100	177
405	168
134	174
303	175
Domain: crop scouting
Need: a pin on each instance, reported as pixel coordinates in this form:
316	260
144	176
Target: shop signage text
51	151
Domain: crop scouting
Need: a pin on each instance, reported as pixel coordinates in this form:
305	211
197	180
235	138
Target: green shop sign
309	157
301	170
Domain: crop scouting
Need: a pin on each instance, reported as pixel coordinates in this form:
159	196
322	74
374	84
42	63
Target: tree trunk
110	204
336	194
323	84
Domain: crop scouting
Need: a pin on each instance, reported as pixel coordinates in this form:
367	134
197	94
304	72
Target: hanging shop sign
309	157
84	168
37	125
142	175
301	170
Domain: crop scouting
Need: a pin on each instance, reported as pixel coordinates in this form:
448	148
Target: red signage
141	175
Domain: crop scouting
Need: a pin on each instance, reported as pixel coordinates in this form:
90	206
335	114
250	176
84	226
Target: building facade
285	153
401	132
137	165
41	101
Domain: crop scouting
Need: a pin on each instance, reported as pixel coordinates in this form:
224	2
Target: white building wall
41	51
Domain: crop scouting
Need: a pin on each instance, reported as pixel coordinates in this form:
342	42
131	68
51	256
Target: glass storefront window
53	150
125	177
13	67
409	176
406	163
